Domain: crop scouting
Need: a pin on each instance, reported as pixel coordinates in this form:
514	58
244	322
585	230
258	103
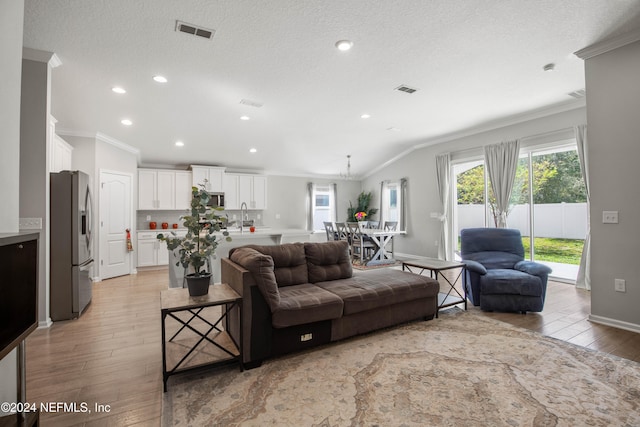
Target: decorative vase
198	285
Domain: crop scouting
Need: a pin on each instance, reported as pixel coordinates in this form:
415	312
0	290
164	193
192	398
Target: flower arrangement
362	208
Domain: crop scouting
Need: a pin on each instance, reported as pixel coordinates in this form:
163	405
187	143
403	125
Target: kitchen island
262	236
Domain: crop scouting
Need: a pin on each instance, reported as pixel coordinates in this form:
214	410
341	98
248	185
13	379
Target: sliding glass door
548	202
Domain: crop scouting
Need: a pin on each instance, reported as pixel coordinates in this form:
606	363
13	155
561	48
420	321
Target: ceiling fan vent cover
406	89
194	30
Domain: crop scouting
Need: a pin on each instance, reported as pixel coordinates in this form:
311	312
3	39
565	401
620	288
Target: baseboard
401	256
42	324
615	323
96	279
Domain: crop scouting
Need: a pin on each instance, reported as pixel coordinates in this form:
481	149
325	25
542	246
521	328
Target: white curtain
310	189
502	162
584	272
443	174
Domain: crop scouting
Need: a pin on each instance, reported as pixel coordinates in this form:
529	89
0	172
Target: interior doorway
115	218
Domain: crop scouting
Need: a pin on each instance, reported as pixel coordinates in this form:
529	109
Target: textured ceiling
474	62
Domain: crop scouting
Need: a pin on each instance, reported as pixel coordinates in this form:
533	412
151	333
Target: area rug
461	369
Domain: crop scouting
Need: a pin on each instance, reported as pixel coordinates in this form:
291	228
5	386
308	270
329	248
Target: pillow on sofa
328	261
261	268
290	264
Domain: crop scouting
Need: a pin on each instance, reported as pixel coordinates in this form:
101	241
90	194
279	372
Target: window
393	203
323	207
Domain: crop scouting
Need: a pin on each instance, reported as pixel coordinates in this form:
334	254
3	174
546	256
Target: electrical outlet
609	217
277	216
620	285
234	217
148	217
436	243
30	223
306	337
258	216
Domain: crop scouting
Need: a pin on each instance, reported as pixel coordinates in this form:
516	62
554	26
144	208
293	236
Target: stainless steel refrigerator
71	259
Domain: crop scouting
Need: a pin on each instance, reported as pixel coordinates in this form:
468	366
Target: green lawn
565	251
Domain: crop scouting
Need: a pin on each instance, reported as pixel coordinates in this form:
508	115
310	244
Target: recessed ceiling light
126	122
245	118
365	116
160	79
118	89
179	144
344	45
549	67
253	150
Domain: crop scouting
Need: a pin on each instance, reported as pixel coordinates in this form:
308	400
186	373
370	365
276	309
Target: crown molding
100	137
486	127
41	56
607	45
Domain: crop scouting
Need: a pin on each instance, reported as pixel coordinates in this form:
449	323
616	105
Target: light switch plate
609	217
620	285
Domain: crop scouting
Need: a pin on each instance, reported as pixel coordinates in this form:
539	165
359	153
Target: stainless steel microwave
216	199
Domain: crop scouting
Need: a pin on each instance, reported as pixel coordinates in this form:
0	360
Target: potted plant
200	242
360	212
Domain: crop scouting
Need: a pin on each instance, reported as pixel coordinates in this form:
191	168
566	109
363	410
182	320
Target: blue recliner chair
497	276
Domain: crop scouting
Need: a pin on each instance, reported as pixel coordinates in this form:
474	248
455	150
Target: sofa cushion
367	290
506	281
261	268
328	261
289	261
305	303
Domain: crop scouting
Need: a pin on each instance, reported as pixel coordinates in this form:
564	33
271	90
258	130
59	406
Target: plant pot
198	285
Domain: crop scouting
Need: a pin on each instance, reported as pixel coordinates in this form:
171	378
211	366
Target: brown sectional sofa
300	295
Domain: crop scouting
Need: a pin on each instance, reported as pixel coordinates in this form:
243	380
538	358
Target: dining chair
374	224
341	231
331	232
360	247
390	225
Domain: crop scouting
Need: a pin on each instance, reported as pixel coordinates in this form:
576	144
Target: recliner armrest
532	268
475	267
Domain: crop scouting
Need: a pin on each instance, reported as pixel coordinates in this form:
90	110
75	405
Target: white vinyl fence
557	220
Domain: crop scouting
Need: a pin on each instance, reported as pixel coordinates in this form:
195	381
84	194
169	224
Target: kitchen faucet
243	212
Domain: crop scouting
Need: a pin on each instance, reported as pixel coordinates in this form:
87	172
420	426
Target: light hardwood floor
112	354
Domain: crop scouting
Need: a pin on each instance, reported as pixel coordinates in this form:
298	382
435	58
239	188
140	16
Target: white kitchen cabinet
214	176
161	189
183	189
251	189
60	155
259	194
231	183
151	251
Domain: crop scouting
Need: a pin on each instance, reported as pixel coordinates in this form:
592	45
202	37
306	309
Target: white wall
287	199
11	22
613	103
418	167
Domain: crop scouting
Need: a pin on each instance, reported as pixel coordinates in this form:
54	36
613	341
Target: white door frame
98	276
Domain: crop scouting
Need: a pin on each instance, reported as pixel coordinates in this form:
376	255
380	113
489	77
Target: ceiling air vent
251	103
580	93
194	30
405	88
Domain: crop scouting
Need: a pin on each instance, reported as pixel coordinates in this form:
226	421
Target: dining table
381	238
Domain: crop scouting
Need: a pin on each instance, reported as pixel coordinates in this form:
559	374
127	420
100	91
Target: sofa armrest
256	315
533	268
475	267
